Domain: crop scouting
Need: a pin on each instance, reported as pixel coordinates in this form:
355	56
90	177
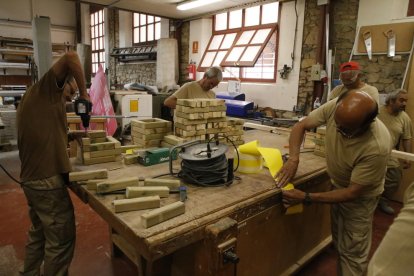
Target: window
244	43
97	39
146	28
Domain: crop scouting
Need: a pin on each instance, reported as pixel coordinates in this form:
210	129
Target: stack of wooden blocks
99	148
8	116
149	132
170	141
235	131
200	119
320	141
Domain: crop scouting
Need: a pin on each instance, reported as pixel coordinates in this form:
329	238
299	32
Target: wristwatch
307	200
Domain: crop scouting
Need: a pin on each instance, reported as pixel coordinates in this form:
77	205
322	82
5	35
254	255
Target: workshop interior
192	190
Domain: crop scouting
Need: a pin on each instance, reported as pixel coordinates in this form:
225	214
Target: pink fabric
101	101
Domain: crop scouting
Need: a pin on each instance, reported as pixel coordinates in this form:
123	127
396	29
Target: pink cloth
101	101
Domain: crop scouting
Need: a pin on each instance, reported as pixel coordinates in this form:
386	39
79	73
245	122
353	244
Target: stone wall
183	48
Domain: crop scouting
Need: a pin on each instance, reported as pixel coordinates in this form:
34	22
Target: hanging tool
368	43
83	108
390	34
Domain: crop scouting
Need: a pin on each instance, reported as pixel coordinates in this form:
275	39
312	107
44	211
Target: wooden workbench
248	215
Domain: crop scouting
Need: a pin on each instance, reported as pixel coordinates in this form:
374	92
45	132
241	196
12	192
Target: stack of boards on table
98	148
139	194
320	141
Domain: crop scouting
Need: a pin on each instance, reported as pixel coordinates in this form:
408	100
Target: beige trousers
392	181
351	233
52	233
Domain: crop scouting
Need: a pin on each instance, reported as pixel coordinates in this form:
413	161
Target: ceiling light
194	4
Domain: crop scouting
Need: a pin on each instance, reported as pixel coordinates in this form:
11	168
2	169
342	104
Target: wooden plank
173	184
116	142
116	185
402	155
101	146
92	183
130	159
97	160
98	140
162	214
101	153
96	134
133	204
87	175
133	192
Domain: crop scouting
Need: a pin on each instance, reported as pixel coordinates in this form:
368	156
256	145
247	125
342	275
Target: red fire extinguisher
191	68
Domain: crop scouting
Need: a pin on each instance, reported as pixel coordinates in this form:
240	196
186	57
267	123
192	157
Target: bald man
357	148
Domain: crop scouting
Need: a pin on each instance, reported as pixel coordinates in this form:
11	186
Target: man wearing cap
350	75
393	116
357	148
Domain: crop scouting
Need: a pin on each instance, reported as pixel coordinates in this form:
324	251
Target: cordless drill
83	108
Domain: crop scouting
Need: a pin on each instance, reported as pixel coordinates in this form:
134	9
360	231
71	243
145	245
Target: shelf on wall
135	53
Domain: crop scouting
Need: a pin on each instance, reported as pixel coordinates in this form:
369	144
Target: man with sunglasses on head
350	75
357	148
200	89
393	115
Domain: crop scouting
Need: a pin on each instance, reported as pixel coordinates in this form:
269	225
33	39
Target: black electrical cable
28	186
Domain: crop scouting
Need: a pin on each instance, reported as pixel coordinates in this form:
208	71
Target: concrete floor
92	253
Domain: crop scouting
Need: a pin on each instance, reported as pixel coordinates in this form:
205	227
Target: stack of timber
149	132
234	131
170	141
320	141
99	148
9	130
200	119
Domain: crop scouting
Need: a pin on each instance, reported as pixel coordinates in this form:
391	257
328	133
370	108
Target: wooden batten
87	175
172	184
162	214
116	185
133	192
133	204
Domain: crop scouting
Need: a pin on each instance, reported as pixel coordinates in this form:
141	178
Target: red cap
347	66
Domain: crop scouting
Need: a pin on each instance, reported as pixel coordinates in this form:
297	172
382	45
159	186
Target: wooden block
173	184
162	214
149	143
87	175
187	102
128	147
130	159
146	137
166	145
151	123
99	146
161	191
97	160
96	134
101	153
174	140
98	140
116	142
116	185
92	183
86	141
189	122
133	204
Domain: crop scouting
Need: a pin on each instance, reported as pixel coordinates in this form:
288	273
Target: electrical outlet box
316	72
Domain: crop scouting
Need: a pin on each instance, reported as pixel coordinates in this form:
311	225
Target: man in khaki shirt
197	89
399	125
357	148
350	75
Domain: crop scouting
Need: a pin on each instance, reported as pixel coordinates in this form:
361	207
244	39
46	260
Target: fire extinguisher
191	68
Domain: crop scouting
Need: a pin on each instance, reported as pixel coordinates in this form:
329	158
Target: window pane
235	54
97	18
101	57
143	34
219	58
136	35
150	19
208	59
221	21
136	19
100	29
96	30
100	16
252	16
157	30
245	37
228	41
270	13
92	32
235	19
150	32
93	44
93	58
215	42
157	19
143	19
92	19
101	45
231	72
250	53
260	36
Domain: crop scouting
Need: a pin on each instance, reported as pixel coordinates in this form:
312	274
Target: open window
244	43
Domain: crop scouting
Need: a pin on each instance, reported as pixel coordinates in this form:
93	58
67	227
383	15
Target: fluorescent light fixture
188	5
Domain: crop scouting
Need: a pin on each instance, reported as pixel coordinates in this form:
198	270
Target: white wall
376	12
282	94
20	14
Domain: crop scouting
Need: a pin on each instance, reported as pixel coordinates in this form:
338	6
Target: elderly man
350	75
399	125
197	89
357	149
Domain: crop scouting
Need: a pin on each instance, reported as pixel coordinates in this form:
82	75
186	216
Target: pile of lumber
170	141
320	141
139	195
234	131
200	119
149	132
98	148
